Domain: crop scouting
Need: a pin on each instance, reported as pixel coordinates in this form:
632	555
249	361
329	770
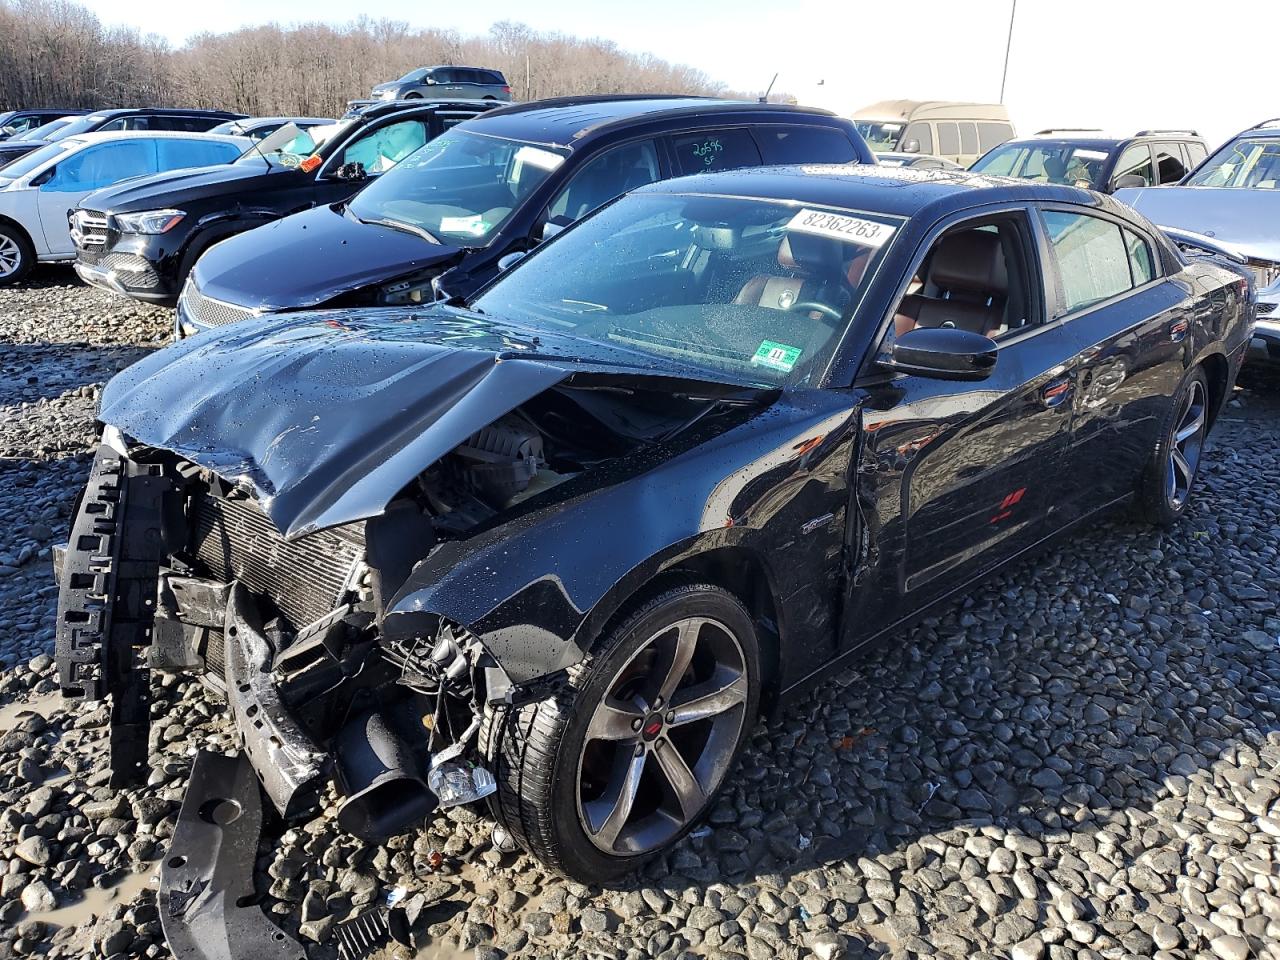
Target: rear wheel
1165	489
17	257
619	764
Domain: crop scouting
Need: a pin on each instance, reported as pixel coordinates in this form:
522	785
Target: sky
1176	64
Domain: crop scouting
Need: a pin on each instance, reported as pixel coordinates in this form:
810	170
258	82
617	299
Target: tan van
959	132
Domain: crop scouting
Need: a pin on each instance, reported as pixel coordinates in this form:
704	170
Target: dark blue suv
453	214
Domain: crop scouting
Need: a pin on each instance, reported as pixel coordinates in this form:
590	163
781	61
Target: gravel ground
1082	759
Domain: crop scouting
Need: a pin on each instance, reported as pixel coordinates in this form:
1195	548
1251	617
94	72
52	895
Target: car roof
564	120
166	111
97	136
263	121
374	109
896	191
1089	143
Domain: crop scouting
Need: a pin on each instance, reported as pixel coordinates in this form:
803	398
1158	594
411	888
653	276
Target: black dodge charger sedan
558	546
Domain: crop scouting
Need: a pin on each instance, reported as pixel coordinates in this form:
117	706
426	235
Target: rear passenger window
804	145
948	140
921	134
993	134
176	154
715	150
1169	166
1092	257
968	138
1140	261
1195	153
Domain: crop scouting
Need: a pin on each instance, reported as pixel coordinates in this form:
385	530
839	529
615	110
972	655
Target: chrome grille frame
203	311
88	228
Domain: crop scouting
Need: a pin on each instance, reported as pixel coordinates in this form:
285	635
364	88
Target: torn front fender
537	589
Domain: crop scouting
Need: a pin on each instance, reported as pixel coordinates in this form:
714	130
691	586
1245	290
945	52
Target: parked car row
143	237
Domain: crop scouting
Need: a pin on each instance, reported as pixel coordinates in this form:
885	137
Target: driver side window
601	179
976	276
381	149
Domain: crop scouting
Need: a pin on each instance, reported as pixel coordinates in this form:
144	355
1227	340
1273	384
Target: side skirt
815	679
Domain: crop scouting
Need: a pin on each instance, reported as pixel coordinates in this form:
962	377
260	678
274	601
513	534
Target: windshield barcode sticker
820	223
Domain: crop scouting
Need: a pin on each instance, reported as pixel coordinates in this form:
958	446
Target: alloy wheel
662	737
1186	445
10	256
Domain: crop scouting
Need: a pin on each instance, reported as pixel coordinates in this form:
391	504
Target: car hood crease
326	416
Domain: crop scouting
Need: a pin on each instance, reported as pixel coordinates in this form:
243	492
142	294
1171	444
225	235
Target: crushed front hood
1243	219
327	415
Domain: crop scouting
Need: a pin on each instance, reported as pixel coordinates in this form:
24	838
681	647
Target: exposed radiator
304	579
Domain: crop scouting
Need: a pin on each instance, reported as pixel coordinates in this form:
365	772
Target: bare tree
57	53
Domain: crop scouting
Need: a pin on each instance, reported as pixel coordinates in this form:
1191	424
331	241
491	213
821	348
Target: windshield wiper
398	225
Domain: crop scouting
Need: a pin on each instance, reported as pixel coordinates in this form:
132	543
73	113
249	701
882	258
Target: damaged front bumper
328	700
309	702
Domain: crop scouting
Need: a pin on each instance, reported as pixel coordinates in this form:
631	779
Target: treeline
55	52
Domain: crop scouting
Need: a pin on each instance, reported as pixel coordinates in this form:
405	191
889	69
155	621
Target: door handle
1056	391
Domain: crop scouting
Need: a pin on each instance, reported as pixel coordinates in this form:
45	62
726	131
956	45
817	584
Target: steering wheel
813	306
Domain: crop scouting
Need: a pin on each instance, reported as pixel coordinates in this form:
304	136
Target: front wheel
1165	489
631	751
16	255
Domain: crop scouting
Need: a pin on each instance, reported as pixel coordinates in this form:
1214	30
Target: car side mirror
911	146
553	226
507	261
1127	181
942	353
351	171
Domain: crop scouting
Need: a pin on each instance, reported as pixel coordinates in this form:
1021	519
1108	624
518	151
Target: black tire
1164	491
413	96
17	256
538	751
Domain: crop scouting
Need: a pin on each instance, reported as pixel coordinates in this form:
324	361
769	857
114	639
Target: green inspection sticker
776	356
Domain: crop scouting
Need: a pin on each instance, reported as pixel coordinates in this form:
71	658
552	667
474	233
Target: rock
35	850
1030	949
1230	948
38	898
